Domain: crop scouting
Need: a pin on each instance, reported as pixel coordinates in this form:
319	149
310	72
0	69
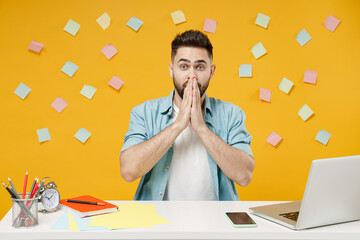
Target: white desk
189	220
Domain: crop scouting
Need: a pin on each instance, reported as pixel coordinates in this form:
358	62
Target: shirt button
165	169
161	193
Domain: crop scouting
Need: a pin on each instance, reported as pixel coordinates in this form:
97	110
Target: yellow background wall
142	62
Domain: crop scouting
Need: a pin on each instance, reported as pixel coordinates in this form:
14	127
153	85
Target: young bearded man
188	146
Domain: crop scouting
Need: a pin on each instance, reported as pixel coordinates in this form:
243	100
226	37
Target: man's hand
196	117
183	119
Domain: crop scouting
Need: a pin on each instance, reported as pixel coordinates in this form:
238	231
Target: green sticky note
286	85
82	135
134	23
305	112
323	137
43	134
69	68
88	91
262	20
245	70
22	91
72	27
258	50
303	37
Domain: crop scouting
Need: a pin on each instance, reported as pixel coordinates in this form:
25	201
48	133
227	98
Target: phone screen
240	218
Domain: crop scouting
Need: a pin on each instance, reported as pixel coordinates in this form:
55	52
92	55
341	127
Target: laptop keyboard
290	215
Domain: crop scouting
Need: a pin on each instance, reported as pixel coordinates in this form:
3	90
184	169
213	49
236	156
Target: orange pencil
25	183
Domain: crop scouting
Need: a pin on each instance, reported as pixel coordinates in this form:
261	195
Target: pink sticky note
116	82
265	94
273	139
59	104
35	46
310	76
109	51
210	25
331	23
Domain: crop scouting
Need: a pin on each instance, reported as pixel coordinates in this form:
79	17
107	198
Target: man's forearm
139	159
236	164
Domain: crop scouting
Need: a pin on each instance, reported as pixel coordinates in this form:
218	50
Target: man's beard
180	89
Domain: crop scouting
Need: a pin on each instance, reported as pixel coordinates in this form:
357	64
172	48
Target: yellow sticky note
104	21
178	17
72	224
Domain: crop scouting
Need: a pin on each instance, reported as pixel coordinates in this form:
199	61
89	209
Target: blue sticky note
303	37
323	137
69	68
82	135
62	222
134	23
43	134
83	224
245	70
22	91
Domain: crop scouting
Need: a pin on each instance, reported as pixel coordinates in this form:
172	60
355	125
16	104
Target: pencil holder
24	212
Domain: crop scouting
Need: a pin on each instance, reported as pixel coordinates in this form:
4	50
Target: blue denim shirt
226	120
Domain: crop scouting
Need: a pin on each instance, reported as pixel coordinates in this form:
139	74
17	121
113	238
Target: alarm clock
49	196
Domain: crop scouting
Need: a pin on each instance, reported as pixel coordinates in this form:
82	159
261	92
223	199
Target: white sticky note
135	23
323	137
72	27
258	50
43	134
82	135
88	91
245	70
104	21
35	46
178	17
303	37
331	23
305	112
286	85
262	20
22	91
69	68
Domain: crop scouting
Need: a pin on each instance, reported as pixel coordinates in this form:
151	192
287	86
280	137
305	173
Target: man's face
191	63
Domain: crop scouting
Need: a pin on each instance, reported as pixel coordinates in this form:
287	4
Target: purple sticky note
210	25
109	51
331	23
273	139
310	76
116	82
59	104
265	94
35	46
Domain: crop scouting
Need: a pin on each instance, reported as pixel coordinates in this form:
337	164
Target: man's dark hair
191	38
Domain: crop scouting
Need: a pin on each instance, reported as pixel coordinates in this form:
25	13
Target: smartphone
240	219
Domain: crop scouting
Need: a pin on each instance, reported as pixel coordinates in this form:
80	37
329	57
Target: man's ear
171	70
213	67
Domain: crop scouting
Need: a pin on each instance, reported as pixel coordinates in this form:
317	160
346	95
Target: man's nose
192	75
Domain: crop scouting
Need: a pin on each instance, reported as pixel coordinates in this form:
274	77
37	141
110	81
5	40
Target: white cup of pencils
24	212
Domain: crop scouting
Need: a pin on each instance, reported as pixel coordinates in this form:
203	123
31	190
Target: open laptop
332	195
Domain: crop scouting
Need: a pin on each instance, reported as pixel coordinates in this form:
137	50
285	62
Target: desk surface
188	220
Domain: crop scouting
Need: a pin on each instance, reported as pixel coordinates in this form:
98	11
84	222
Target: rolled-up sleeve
137	129
239	137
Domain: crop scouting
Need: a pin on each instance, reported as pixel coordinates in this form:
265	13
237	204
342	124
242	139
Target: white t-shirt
189	175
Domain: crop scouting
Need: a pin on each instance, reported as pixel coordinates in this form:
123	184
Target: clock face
50	199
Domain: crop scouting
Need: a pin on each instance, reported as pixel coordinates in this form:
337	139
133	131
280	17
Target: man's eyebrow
196	61
184	59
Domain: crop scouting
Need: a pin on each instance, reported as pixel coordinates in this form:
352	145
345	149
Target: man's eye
183	67
201	67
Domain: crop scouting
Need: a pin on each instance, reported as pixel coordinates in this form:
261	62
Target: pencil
85	202
12	186
25	183
7	188
32	188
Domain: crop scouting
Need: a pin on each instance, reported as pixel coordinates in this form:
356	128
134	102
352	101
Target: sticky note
178	17
43	134
273	139
22	91
305	112
134	23
59	104
109	51
83	224
116	82
210	25
262	20
286	85
72	27
258	50
104	21
62	222
310	76
265	94
82	135
303	37
88	91
245	70
331	23
323	137
72	224
35	46
69	68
